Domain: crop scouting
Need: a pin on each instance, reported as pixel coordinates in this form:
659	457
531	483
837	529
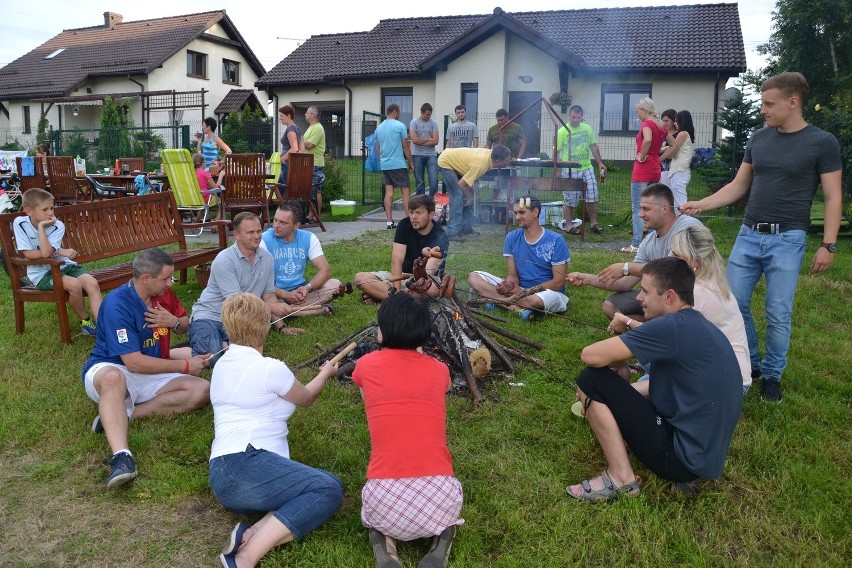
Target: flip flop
597	229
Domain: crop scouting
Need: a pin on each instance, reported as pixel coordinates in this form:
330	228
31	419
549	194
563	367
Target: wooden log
489	341
335	347
506	333
343	353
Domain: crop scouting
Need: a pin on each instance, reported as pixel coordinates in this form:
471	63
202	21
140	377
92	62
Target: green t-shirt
315	134
512	136
582	139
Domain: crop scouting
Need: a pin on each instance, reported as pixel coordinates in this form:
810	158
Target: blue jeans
206	336
258	481
635	196
779	258
430	165
461	217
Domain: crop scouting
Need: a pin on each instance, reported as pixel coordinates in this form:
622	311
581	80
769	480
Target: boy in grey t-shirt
424	138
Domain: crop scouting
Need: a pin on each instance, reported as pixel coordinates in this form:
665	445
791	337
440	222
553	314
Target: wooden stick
343	353
489	341
335	347
505	333
489	315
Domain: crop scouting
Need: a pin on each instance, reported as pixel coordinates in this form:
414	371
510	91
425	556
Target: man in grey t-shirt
242	267
783	165
462	133
424	138
657	211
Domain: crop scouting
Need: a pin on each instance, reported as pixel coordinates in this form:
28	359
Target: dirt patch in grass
54	524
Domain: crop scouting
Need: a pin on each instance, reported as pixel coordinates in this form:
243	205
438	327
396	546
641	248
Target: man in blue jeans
424	138
460	168
783	165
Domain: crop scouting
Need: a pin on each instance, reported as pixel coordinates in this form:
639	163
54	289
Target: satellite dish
732	93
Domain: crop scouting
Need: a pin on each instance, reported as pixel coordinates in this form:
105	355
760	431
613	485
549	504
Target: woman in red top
411	491
646	164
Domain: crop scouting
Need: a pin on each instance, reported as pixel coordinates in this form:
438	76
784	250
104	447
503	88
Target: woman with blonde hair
250	467
713	296
646	163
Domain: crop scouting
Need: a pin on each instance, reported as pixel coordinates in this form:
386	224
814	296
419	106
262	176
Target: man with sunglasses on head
661	221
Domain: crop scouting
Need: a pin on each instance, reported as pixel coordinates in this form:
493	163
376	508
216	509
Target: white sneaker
562	224
576	222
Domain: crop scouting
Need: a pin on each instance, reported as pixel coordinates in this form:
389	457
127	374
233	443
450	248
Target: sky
273	30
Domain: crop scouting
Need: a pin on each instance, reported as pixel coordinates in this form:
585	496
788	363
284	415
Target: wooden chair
38	179
64	185
300	176
245	184
133	164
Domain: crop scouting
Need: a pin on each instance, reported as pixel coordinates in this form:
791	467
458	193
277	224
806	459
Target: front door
530	121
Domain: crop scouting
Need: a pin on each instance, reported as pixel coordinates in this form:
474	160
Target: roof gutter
349	118
142	89
274	96
716	107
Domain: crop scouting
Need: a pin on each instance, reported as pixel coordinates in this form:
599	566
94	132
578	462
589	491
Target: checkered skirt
412	507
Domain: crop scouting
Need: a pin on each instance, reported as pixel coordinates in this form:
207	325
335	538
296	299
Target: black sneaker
97	427
122	468
770	391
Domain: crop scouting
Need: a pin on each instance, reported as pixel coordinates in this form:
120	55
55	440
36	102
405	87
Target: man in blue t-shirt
536	258
680	422
395	159
125	374
292	248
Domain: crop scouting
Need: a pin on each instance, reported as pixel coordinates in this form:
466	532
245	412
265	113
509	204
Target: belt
771	228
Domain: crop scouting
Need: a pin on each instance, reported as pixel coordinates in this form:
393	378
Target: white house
177	69
605	58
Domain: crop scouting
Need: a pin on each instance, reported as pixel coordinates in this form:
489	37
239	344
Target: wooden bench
101	230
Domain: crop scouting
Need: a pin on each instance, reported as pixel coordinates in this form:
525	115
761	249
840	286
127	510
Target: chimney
112	18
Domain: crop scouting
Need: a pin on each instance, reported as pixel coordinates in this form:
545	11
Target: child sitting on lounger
404	393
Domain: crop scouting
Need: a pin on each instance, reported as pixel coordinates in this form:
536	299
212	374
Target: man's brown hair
791	84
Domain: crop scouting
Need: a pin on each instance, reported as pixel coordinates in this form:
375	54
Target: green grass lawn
784	498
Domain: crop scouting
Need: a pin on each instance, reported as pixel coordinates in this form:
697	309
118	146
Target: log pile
462	337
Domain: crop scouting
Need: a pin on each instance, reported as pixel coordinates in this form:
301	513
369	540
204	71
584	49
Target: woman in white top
712	295
681	157
250	467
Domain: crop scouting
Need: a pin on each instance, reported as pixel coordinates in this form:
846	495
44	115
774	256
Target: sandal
367	299
327	310
574	231
630	249
597	229
609	491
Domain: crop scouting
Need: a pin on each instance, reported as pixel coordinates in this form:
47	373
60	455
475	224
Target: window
230	72
27	126
617	104
196	64
404	97
470	100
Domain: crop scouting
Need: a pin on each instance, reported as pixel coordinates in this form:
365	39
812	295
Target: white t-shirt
725	314
245	392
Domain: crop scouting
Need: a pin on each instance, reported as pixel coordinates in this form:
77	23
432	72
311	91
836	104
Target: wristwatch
626	269
831	247
176	325
310	287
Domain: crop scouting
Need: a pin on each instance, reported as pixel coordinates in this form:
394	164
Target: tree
813	37
247	131
114	140
740	118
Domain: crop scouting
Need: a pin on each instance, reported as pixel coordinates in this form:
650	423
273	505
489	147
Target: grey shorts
626	303
397	178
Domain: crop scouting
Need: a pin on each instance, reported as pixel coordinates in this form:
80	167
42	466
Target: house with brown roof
177	69
606	59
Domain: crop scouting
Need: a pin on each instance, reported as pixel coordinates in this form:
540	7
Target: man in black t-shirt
415	235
